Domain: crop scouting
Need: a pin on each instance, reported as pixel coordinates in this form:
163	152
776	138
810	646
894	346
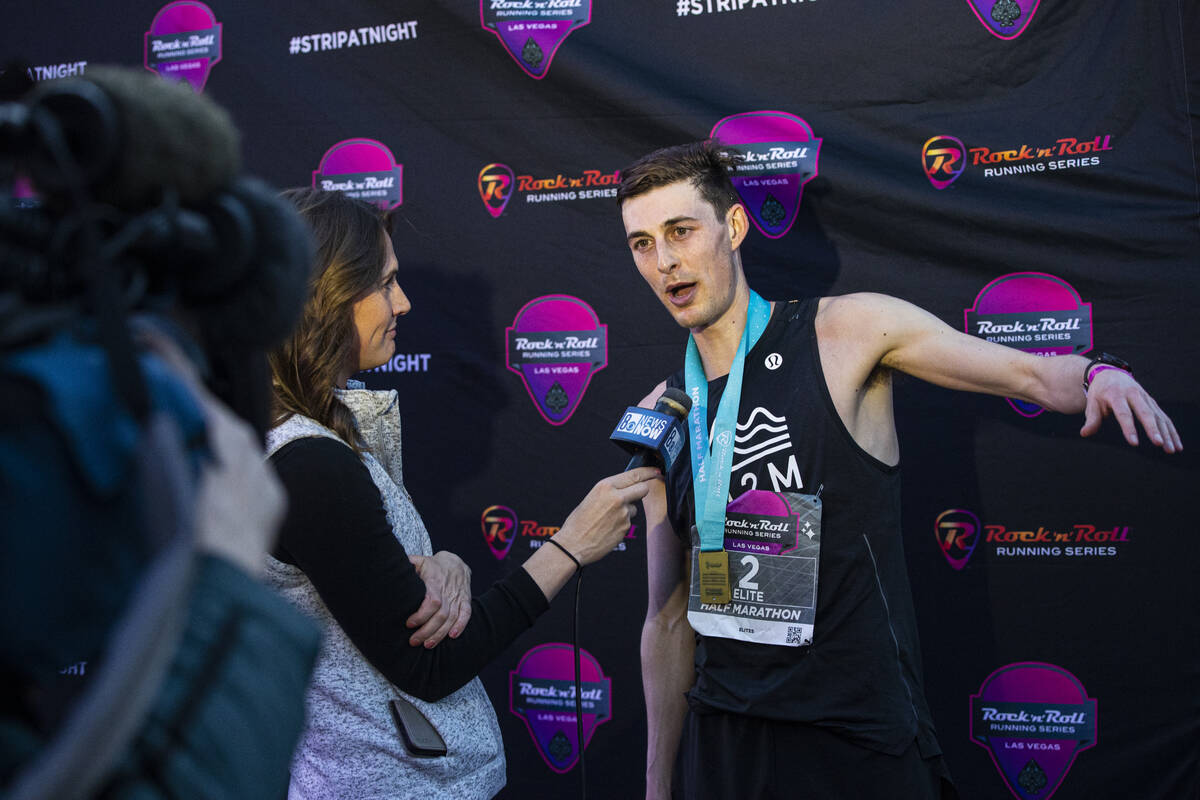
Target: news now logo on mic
641	428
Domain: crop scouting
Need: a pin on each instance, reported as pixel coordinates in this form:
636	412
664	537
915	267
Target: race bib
774	545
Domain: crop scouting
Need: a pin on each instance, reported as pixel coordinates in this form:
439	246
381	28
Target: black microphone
655	438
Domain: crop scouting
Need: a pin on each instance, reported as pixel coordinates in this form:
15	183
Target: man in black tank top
787	663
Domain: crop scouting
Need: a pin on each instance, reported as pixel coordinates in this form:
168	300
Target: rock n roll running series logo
533	30
959	533
1033	719
1035	312
541	691
183	43
556	343
944	158
364	169
780	157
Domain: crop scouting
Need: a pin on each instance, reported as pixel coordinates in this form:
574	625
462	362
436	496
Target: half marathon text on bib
774	545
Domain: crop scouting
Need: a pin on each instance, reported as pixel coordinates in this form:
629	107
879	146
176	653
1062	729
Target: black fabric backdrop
875	81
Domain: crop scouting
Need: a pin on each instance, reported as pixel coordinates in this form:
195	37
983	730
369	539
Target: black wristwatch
1107	359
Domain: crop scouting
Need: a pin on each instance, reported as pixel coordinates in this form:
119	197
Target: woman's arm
337	532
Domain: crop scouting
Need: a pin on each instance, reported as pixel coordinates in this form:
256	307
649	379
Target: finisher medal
714	577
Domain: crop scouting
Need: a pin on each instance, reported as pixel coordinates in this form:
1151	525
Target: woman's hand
597	524
447	605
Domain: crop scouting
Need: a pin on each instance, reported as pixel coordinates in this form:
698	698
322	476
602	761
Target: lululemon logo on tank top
532	30
1034	719
780	153
773	361
183	43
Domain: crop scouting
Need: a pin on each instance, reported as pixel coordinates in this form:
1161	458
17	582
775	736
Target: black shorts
733	757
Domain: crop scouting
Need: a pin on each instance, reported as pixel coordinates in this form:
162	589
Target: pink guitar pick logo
533	30
555	344
780	157
364	169
183	43
1034	312
1033	719
541	691
1004	19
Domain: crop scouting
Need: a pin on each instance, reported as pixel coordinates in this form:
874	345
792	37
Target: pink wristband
1096	370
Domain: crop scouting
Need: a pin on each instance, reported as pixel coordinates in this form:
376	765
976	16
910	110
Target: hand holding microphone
602	520
655	438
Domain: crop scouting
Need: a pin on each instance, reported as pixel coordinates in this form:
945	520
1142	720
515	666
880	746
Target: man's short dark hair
707	164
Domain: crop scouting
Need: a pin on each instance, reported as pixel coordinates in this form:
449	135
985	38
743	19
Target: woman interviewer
354	553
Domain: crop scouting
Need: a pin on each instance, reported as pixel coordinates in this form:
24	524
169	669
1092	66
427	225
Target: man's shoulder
851	315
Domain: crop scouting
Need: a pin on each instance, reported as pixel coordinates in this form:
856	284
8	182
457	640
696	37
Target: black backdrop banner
1024	169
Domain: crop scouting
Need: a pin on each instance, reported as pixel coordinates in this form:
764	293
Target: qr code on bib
796	635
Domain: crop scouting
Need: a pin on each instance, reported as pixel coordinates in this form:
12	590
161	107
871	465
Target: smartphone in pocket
416	731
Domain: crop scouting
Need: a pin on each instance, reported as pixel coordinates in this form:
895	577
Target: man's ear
737	223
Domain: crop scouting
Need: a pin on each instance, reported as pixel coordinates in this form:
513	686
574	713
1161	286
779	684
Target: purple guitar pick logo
364	169
1004	19
541	691
1033	719
183	43
532	30
1034	312
780	157
555	344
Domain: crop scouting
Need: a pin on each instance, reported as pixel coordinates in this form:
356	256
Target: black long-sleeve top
337	532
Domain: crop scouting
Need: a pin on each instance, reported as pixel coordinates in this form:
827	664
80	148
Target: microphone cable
579	688
578	672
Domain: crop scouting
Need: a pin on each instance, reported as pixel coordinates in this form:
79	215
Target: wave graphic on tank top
764	434
759	436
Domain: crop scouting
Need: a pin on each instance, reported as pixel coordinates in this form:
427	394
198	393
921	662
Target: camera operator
139	654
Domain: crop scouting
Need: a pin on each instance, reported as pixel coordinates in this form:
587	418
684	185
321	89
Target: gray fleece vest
350	747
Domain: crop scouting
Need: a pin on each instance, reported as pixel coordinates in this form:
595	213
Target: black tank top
861	676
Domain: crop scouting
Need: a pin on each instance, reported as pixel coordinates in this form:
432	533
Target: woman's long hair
350	238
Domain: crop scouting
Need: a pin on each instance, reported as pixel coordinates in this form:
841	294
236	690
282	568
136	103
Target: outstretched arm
903	337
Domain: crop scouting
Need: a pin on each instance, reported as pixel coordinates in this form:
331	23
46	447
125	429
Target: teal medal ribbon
711	468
